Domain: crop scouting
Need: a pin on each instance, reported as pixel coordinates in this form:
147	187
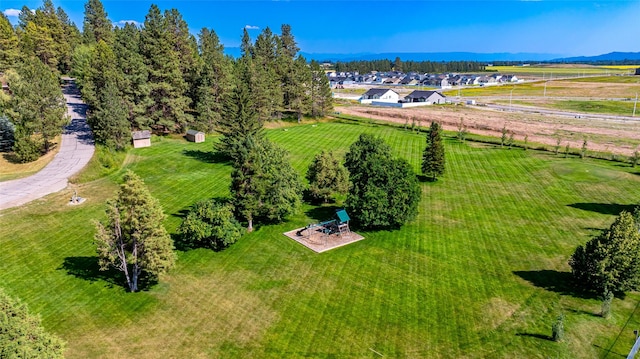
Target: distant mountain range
459	56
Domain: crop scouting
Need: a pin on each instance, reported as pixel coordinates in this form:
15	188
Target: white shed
141	138
195	136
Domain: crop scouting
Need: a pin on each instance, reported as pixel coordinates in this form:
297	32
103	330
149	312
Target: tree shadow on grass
87	268
604	208
207	156
554	281
535	335
322	213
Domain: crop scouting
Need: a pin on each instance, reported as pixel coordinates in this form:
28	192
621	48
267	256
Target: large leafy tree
384	191
132	239
37	107
433	155
21	333
327	176
210	224
610	261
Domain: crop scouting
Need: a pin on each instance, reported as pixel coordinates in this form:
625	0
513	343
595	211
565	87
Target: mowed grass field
481	272
562	70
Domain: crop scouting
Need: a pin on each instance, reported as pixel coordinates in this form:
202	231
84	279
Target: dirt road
618	137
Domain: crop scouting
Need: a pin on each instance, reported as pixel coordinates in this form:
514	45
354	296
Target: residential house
380	95
429	97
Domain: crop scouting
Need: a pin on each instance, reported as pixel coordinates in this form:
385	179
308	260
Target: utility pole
545	89
634	106
511	98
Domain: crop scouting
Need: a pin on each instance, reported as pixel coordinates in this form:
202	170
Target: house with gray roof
428	97
380	95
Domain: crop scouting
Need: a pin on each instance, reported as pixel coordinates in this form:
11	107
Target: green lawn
482	272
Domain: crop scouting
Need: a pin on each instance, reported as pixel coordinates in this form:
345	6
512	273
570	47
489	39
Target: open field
558	70
598	88
613	137
482	271
620	108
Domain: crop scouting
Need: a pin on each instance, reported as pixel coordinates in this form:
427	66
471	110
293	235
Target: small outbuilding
141	138
195	136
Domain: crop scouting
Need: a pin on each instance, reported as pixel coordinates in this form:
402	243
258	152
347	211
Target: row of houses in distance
443	81
388	97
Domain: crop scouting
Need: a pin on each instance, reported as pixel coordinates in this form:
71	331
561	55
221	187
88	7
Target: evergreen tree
215	83
43	36
320	92
132	239
7	134
265	84
96	24
299	91
287	69
73	39
109	121
239	121
22	334
264	185
9	52
37	107
327	176
168	109
433	156
384	192
610	261
246	46
134	75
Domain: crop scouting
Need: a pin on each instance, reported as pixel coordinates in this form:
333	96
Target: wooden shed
195	136
141	138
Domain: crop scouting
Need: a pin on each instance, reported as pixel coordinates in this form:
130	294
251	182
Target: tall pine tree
433	156
215	83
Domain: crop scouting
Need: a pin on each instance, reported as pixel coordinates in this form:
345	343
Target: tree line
366	66
155	76
159	76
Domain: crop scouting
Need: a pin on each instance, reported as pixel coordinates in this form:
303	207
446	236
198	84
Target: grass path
481	272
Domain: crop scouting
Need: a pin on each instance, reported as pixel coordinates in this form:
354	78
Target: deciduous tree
384	191
132	239
210	224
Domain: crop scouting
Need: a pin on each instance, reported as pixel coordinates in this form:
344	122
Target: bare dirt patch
612	136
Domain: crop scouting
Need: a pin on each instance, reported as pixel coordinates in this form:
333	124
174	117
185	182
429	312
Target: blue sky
570	28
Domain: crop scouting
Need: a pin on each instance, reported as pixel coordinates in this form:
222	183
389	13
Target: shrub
210	224
557	329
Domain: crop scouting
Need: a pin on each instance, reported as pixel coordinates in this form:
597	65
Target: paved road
76	149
